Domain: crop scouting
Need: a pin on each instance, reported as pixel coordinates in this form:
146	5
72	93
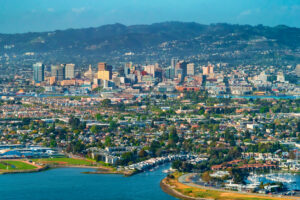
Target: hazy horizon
27	16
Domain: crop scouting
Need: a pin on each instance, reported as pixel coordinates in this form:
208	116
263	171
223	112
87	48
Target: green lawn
15	165
64	161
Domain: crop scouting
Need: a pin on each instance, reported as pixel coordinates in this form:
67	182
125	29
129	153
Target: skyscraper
208	70
190	69
126	70
38	72
58	71
101	66
69	71
150	69
61	73
104	71
174	61
54	69
181	68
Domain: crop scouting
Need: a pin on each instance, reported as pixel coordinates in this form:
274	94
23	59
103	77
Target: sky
19	16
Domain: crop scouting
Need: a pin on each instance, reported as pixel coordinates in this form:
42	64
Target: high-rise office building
102	66
38	72
126	70
150	69
61	75
170	72
70	71
174	61
54	69
190	69
58	71
208	70
181	68
104	71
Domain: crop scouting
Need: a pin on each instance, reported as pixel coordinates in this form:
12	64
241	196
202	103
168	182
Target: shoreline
172	192
99	170
40	169
217	194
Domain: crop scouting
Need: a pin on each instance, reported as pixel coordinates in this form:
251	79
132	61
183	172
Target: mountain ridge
170	38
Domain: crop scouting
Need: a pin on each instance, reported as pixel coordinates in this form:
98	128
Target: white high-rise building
150	69
190	69
70	71
280	77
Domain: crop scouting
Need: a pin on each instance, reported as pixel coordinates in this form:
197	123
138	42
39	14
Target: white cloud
246	12
78	10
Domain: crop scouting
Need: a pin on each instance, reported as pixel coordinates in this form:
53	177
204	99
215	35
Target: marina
290	180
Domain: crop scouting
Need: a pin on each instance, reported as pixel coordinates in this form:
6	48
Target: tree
173	137
98	117
155	145
106	102
177	165
95	129
235	152
107	142
264	109
206	177
127	157
142	153
74	122
239	175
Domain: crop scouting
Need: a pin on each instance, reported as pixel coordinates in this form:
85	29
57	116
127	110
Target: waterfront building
38	72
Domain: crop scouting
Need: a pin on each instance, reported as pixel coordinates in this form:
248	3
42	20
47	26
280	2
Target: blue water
69	183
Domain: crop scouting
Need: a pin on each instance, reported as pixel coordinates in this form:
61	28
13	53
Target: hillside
225	42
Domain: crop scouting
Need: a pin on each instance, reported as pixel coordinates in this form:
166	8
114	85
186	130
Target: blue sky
17	16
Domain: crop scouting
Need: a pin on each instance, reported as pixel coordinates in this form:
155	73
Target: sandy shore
169	190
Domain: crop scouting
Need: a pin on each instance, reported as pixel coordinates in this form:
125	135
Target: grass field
65	161
15	165
211	194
